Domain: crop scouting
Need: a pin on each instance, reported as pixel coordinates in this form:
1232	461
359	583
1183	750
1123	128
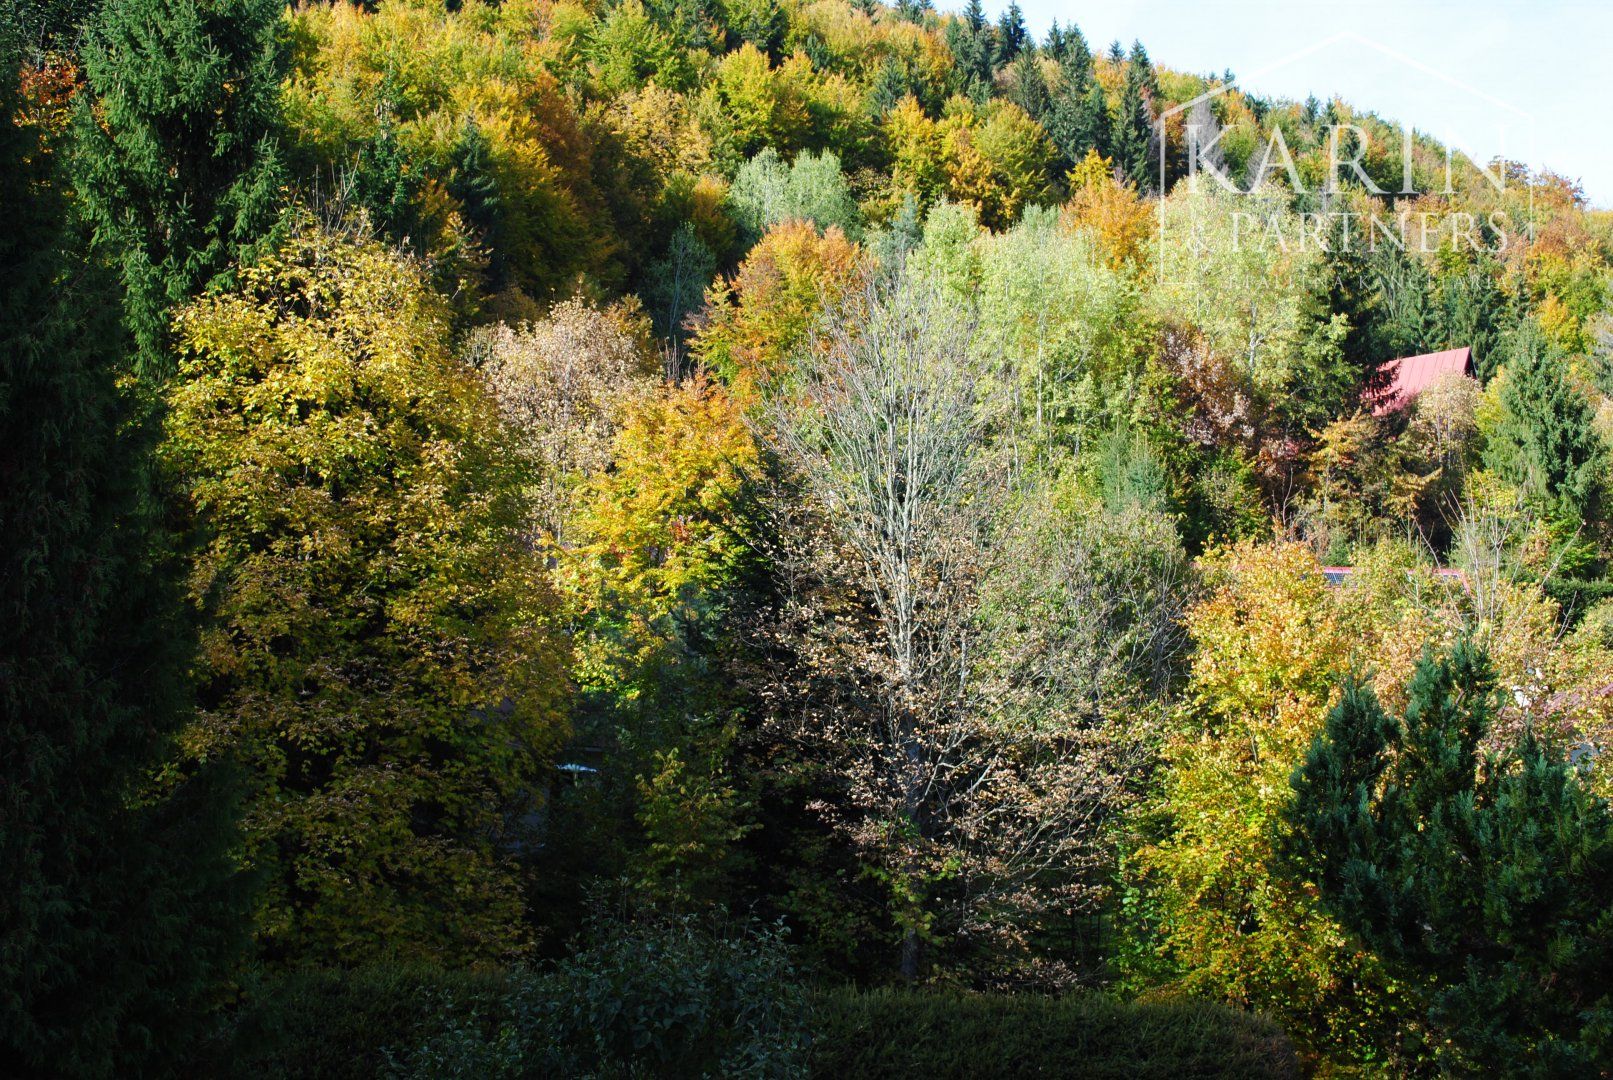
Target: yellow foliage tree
450	81
657	533
1122	221
760	317
377	652
1270	643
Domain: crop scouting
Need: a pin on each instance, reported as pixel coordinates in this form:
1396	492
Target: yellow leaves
659	125
431	72
1560	325
1121	220
994	159
1269	640
788	278
657	532
661	518
758	105
916	145
371	605
1268	643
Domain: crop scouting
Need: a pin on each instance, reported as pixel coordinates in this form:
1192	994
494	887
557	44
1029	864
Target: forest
639	538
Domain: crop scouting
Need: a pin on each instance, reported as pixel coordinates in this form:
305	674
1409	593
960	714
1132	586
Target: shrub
334	1025
941	1033
669	998
675	999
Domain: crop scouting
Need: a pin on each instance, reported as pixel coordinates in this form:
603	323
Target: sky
1527	81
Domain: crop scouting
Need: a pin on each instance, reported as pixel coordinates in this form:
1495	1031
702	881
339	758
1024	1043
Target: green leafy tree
630	48
1224	919
177	169
33	27
760	22
1484	878
377	653
121	913
766	192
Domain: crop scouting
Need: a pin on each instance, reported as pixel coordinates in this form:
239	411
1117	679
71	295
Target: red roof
1409	376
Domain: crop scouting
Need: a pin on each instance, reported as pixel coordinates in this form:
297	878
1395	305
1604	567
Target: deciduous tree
377	653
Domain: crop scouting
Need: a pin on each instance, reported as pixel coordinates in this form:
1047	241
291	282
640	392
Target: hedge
937	1034
330	1025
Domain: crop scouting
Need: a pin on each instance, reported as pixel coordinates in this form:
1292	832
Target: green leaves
1546	442
176	166
1487	880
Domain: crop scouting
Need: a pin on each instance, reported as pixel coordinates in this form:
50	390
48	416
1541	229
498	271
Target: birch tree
981	829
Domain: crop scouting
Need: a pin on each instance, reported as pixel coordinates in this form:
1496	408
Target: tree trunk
912	955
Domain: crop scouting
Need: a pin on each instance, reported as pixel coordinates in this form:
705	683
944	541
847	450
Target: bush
334	1025
675	1000
664	999
936	1034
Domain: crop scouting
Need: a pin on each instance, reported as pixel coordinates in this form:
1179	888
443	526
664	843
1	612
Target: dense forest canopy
803	494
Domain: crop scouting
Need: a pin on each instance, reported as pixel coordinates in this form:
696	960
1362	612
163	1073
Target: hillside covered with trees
711	537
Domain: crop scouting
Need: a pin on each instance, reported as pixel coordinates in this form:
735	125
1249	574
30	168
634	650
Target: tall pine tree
1133	131
1482	881
118	915
1078	116
971	42
177	167
1546	442
1338	317
1027	87
1476	313
1012	38
1407	322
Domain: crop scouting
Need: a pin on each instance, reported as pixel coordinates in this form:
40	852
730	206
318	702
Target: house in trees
1400	381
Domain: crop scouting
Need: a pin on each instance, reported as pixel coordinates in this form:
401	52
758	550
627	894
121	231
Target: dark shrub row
417	1022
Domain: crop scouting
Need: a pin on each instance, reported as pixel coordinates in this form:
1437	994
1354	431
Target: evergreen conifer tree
1408	322
1546	442
1078	115
1134	125
119	912
1028	89
1483	881
1338	314
1012	38
1475	314
1055	42
177	168
972	50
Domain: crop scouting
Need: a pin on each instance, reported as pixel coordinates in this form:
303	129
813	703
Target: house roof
1409	376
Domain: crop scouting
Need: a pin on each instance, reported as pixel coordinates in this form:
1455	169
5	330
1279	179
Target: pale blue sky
1542	71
